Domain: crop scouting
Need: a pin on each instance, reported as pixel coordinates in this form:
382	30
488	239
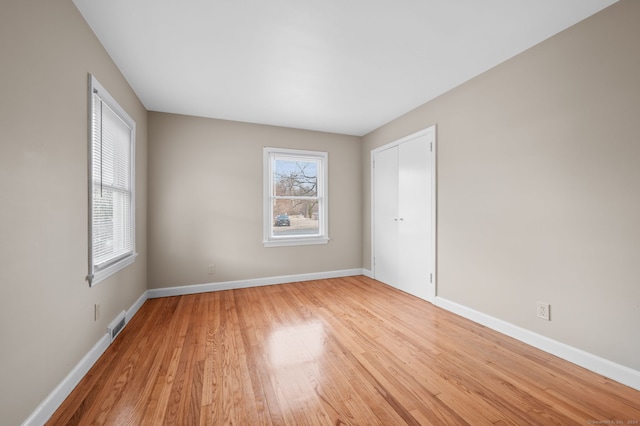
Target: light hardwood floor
346	351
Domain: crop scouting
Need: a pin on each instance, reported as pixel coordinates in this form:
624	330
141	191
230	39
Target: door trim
432	262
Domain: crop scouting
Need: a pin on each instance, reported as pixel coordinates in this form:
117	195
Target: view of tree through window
295	197
295	201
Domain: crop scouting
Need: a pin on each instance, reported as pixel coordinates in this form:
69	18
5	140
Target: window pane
111	148
295	217
295	210
112	225
111	231
111	180
295	178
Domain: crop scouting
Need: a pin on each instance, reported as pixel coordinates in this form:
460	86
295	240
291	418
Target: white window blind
111	206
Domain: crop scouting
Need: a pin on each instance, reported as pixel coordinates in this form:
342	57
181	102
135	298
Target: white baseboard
51	403
133	310
258	282
367	273
620	373
45	410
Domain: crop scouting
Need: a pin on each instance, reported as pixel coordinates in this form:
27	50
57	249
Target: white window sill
105	273
296	242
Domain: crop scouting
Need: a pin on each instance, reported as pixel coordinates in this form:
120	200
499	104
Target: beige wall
539	186
46	307
205	202
537	175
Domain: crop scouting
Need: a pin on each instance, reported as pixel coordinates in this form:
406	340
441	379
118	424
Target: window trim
269	240
98	273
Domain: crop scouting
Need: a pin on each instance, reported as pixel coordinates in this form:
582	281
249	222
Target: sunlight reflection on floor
296	344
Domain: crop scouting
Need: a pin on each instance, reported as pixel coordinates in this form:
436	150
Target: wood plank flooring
346	351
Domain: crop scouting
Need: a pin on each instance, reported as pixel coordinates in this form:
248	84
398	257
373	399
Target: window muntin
295	197
111	186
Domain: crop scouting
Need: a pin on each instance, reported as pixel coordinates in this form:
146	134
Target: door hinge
431	278
431	146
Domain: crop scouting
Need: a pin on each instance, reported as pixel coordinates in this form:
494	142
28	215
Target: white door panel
386	208
414	189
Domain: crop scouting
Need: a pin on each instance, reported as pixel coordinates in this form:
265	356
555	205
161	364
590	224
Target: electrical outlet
544	311
212	269
96	312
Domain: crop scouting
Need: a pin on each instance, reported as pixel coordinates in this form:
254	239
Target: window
111	185
295	197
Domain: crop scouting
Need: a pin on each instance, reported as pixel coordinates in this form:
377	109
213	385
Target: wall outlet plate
544	311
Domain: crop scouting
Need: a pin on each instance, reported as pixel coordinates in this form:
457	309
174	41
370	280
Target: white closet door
403	210
386	216
414	212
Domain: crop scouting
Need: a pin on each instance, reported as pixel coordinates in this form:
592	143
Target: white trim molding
45	410
50	404
257	282
133	310
620	373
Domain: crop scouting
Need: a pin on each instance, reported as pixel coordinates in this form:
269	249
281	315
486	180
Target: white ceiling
343	66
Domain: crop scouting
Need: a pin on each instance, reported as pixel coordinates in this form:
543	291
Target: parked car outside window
282	220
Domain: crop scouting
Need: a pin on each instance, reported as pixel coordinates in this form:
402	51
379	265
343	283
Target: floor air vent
116	325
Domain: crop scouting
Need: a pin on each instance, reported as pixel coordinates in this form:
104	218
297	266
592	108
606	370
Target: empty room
314	213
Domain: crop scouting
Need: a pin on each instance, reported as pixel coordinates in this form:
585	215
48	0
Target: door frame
429	131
